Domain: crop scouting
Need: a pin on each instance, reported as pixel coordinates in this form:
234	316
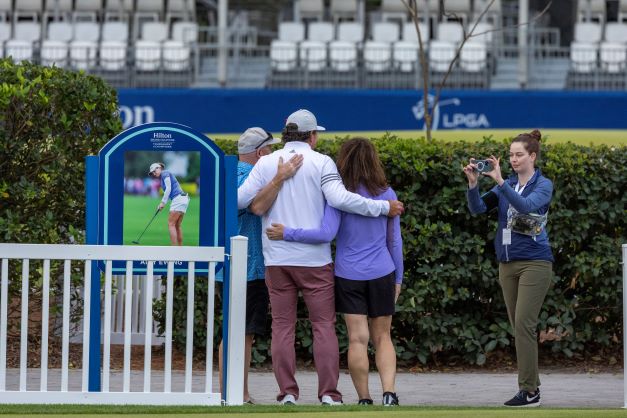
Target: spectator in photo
368	267
180	201
522	248
301	267
252	145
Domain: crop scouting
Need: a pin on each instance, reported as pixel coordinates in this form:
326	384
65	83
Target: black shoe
390	399
365	402
524	399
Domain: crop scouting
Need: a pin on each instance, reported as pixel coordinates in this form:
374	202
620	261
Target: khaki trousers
525	285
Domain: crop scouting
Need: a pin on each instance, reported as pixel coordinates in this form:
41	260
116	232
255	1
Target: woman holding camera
522	248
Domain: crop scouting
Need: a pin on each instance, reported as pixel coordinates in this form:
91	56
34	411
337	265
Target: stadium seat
378	51
615	32
473	56
613	57
184	10
54	49
148	48
343	51
113	47
186	32
283	55
457	9
405	52
87	9
588	10
311	9
350	32
395	9
320	31
441	53
484	32
20	47
118	9
60	6
343	9
27	9
450	32
588	32
313	55
177	51
343	55
583	56
291	31
84	46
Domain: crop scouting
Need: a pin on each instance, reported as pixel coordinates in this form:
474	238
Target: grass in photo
147	218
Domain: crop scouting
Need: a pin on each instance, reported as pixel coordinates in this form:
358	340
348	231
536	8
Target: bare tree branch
410	5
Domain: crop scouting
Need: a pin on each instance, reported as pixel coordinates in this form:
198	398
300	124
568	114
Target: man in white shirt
293	266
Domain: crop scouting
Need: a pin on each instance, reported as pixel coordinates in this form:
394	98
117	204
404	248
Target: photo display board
129	197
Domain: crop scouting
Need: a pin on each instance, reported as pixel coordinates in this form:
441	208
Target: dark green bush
50	119
451	303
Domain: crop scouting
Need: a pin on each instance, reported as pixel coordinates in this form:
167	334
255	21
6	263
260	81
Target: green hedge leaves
451	304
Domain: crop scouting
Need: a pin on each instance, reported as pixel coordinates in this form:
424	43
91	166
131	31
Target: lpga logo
449	120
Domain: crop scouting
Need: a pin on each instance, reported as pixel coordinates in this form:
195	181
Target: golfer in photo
180	200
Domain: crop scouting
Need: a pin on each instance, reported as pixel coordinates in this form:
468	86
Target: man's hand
397	292
396	208
275	232
288	169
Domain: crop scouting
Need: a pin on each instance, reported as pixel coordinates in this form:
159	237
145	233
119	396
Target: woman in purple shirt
368	266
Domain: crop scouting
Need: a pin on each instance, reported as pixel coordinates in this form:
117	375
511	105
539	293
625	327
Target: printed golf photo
161	198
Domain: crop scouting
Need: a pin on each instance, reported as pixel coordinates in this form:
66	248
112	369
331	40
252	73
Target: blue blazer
535	198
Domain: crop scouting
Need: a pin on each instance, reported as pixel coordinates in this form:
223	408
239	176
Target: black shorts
257	302
366	297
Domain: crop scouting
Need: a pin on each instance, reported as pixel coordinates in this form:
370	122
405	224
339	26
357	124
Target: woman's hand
495	174
275	232
161	206
471	174
398	292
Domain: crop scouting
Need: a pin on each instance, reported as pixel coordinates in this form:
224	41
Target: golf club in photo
142	234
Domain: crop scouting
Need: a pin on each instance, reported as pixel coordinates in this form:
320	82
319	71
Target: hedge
451	304
50	119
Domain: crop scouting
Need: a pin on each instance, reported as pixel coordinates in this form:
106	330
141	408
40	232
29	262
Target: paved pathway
451	389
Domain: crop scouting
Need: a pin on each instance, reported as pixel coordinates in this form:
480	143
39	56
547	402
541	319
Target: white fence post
624	325
237	321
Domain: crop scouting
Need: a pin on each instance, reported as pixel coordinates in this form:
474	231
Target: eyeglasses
269	137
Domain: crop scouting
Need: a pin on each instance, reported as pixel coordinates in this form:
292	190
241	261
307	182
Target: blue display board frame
104	193
161	136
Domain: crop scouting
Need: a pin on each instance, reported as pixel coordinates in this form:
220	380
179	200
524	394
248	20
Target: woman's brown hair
531	141
359	163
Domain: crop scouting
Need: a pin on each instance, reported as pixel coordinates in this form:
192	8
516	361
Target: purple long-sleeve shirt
366	248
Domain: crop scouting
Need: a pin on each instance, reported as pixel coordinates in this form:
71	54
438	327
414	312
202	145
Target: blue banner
234	110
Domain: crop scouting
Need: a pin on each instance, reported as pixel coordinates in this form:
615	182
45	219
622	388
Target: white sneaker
288	399
327	400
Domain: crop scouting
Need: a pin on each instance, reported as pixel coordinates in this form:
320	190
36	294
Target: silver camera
483	166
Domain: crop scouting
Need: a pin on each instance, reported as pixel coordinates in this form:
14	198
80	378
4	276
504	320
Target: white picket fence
138	311
144	394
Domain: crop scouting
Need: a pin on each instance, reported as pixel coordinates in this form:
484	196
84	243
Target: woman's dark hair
359	163
290	133
531	141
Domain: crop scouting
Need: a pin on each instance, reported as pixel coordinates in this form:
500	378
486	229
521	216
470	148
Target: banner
234	110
